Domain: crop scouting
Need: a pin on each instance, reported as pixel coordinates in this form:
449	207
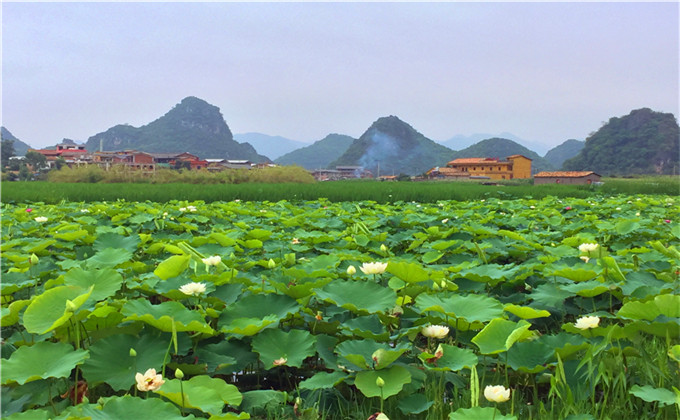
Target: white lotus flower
373	268
193	289
587	247
149	381
435	331
40	219
351	270
586	322
214	260
496	393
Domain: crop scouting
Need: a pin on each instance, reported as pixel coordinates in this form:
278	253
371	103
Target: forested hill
502	148
642	142
20	148
192	126
319	154
394	147
567	150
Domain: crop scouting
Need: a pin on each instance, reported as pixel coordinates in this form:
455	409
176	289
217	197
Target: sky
545	72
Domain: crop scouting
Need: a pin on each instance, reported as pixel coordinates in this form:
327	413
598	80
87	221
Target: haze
545	72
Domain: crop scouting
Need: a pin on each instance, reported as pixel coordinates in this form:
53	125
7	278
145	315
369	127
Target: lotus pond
563	308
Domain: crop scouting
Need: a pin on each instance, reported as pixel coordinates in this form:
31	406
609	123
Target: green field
278	310
336	191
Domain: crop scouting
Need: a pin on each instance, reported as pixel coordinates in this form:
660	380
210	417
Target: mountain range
644	142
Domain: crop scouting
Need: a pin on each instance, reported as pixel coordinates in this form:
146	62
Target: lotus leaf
358	296
167	316
201	392
500	334
54	307
479	413
395	377
41	361
290	347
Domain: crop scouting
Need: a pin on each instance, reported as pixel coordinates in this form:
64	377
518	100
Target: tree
60	162
36	160
7	149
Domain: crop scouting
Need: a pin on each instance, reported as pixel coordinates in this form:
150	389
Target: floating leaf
106	282
201	392
41	361
358	296
408	272
167	316
471	307
53	308
290	347
323	380
479	413
526	312
499	335
109	257
395	377
650	394
173	266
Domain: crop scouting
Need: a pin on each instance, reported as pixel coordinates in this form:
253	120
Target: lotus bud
443	284
179	374
435	286
133	353
70	306
33	259
380	382
383	248
351	270
271	263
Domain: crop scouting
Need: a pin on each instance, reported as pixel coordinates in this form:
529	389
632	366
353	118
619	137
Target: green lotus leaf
41	361
260	401
252	243
286	348
323	380
259	306
395	378
366	327
650	394
110	361
566	345
674	353
550	296
173	266
248	326
624	227
490	273
36	414
226	356
201	392
529	356
526	312
500	334
167	316
415	404
453	358
302	286
361	353
575	274
116	241
71	236
590	288
230	416
408	272
116	408
53	308
10	315
109	257
479	413
358	296
106	281
15	281
667	305
613	269
471	307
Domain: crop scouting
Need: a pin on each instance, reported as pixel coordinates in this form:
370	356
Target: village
481	169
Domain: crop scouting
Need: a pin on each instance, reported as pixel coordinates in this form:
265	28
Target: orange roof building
566	177
513	167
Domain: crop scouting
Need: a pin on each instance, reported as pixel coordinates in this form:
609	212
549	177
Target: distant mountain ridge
319	154
502	148
192	126
20	148
271	146
391	146
567	150
642	142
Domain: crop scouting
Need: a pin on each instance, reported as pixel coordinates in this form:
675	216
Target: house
72	153
566	177
512	167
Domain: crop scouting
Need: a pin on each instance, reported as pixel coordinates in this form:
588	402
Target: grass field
382	192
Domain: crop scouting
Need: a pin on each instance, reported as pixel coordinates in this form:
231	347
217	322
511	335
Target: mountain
390	146
319	154
502	148
642	142
192	126
272	146
567	150
461	141
20	148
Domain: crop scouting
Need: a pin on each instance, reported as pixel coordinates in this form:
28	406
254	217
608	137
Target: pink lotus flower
568	208
667	220
28	210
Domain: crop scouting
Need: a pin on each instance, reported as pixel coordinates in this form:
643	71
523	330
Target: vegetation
318	155
643	142
192	126
567	307
567	150
20	148
390	146
336	191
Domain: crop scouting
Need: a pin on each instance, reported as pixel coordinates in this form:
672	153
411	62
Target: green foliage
642	142
318	155
567	150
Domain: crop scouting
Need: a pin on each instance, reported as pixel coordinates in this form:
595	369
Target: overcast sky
545	72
